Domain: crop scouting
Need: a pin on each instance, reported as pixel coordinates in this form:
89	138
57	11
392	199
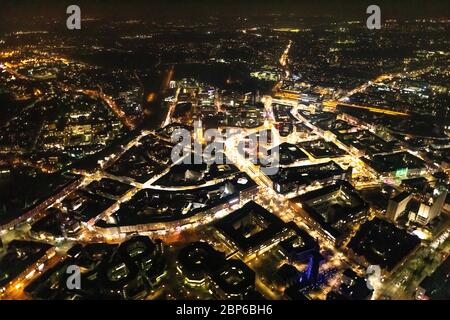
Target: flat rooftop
336	125
200	257
307	174
51	223
365	141
401	196
383	163
289	153
250	226
196	174
234	277
86	205
382	243
321	149
334	207
108	188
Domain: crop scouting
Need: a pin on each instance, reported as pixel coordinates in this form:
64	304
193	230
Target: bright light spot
422	234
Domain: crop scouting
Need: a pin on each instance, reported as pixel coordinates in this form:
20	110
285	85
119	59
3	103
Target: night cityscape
224	151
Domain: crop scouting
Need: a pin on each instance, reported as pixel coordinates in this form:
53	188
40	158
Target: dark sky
28	9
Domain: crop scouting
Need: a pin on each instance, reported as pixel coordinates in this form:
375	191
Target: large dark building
334	208
294	179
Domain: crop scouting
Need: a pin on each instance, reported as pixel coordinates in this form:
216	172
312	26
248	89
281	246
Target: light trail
333	104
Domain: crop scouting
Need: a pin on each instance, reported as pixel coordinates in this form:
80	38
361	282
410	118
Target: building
437	285
398	165
295	292
334	208
252	230
380	242
430	209
397	205
197	261
364	142
293	179
131	270
302	248
21	260
234	280
288	153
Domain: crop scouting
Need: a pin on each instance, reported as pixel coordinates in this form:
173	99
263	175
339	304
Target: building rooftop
289	153
399	162
437	285
322	149
198	258
108	188
335	207
250	226
20	255
401	196
306	175
234	278
51	223
382	243
365	141
354	287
